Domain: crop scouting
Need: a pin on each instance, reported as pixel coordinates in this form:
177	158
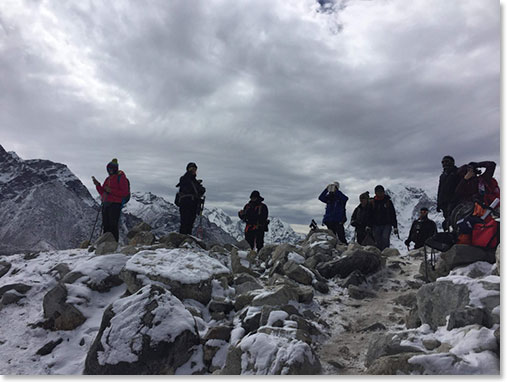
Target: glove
407	242
395	231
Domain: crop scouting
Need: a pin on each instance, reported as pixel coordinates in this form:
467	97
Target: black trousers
111	217
255	237
338	230
360	234
188	213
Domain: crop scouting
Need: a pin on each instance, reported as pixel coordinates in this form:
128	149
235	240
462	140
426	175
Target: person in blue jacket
335	215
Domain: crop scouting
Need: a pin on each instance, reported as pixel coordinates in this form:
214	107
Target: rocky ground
176	305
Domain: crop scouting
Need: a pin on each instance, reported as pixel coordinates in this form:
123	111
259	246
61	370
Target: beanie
190	165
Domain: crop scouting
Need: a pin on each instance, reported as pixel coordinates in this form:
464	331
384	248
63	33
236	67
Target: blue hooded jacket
335	206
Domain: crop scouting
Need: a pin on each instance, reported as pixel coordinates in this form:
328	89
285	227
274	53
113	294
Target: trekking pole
94	224
426	263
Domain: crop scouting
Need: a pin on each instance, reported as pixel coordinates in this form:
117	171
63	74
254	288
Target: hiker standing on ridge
422	229
335	215
383	218
255	214
446	199
112	193
361	217
190	194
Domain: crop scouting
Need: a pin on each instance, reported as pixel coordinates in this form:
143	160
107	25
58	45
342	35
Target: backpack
489	190
177	199
485	234
441	241
126	199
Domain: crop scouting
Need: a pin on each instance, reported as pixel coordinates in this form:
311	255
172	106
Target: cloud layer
279	96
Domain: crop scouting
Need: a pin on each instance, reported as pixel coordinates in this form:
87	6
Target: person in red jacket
112	193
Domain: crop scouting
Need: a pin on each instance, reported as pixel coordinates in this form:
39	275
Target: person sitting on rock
383	218
361	217
191	191
112	193
422	229
255	214
446	197
335	215
473	185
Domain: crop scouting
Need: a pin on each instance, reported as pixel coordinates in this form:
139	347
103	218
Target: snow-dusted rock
264	354
150	332
278	296
59	314
142	238
186	273
397	364
4	267
298	272
141	227
386	344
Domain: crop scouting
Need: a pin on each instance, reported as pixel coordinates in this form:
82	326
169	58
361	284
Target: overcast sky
279	96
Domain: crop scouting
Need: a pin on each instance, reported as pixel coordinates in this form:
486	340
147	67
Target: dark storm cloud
276	96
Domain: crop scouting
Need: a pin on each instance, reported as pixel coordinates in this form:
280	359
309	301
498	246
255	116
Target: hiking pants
110	218
360	235
188	213
382	235
255	237
338	230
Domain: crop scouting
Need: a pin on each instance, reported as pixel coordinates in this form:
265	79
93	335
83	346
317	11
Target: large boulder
435	301
320	243
188	274
265	354
397	364
360	260
149	332
240	262
278	296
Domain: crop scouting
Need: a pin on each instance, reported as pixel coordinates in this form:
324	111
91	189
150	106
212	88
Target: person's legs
259	239
340	232
386	236
360	235
331	226
377	235
187	217
115	212
250	238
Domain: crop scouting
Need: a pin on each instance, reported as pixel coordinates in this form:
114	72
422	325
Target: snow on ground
19	341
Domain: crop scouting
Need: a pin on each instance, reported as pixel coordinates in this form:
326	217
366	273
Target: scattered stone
391	252
321	287
355	278
431	344
141	227
49	347
4	267
105	244
129	250
277	297
464	317
365	262
62	269
305	294
297	273
394	365
31	256
412	319
376	326
59	314
84	244
220	306
218	333
408	299
360	293
336	364
382	344
142	238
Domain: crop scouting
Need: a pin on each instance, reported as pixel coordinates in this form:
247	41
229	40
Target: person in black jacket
383	218
422	229
361	217
446	198
191	192
255	214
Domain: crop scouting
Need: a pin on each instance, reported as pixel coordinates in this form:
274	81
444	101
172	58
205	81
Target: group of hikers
374	219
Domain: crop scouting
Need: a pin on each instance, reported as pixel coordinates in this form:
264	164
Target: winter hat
448	158
424	209
190	165
255	194
379	188
112	166
364	195
333	186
